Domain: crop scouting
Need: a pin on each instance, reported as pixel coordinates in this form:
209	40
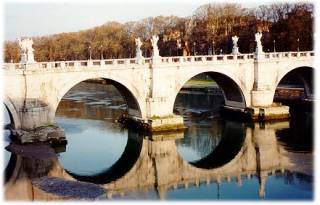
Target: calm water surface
212	159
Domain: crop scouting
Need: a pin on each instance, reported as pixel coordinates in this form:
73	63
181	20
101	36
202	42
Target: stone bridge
156	164
34	90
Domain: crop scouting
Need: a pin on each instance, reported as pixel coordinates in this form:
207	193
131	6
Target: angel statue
235	48
258	37
235	41
26	49
154	42
138	50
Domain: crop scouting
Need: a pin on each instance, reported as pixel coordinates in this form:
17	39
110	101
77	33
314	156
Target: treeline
285	27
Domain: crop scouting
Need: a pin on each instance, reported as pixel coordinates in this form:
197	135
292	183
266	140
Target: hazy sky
47	17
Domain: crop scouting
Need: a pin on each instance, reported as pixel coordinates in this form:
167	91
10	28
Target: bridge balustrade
169	60
147	60
200	59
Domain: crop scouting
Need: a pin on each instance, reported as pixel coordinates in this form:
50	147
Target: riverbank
201	84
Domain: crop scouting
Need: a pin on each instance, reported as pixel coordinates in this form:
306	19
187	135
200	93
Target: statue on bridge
259	49
26	49
155	55
154	42
139	56
235	48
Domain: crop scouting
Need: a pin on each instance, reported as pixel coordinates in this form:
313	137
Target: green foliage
283	23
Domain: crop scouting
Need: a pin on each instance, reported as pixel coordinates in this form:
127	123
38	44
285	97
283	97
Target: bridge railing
278	55
73	64
172	60
205	58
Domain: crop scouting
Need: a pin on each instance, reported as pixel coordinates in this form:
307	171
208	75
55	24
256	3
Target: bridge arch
129	92
13	113
232	88
302	74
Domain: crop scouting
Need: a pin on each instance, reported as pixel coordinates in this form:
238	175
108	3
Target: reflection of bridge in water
156	163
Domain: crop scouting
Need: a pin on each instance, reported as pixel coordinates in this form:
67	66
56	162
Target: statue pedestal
259	54
140	60
156	60
235	51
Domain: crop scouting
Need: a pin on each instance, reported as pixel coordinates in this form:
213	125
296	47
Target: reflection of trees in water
204	133
202	139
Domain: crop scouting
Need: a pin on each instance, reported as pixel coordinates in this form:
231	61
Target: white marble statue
235	48
139	56
154	42
26	49
258	37
259	50
235	41
23	51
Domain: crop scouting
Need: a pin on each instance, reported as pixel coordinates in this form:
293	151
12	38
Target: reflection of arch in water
8	172
234	134
120	167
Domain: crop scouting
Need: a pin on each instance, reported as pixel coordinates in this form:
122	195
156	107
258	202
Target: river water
213	158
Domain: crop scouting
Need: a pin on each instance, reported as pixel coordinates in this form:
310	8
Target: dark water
212	159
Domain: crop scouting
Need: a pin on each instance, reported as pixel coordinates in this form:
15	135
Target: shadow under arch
130	100
302	76
232	93
234	134
133	107
123	165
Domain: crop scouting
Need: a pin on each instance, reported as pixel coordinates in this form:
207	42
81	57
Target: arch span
129	93
303	76
232	90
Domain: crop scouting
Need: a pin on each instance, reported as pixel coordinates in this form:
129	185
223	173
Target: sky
38	18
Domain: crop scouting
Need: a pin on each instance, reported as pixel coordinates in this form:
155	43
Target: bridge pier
34	114
159	117
154	124
263	109
166	123
34	122
273	112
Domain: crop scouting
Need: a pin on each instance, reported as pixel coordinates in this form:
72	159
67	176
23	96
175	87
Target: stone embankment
51	133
